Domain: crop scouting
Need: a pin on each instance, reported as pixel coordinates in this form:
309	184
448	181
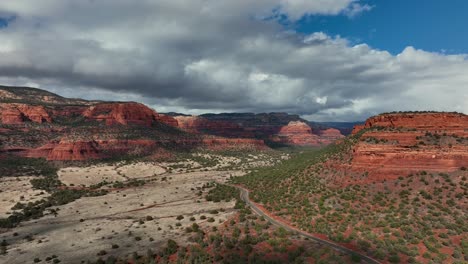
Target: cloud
355	9
208	55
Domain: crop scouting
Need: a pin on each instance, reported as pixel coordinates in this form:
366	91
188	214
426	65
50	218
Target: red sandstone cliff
121	113
330	135
201	125
404	143
297	133
454	122
14	113
292	133
73	130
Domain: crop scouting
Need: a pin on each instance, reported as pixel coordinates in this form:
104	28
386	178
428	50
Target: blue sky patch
431	25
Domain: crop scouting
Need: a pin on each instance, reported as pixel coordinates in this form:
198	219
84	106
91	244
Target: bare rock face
122	113
201	125
297	133
453	122
401	144
330	135
295	128
274	127
168	120
14	113
192	124
74	151
49	126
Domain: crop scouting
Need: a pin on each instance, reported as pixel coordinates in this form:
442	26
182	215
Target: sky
326	60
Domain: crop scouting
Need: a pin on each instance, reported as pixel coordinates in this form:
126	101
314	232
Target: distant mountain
38	123
12	94
344	127
275	129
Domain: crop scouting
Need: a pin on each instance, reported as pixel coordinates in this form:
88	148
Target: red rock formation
200	125
13	113
295	128
74	151
69	150
297	133
408	143
330	135
68	111
357	128
453	122
192	124
121	113
168	120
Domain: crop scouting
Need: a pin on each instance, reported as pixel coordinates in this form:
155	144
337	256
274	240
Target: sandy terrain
125	220
17	189
114	219
95	174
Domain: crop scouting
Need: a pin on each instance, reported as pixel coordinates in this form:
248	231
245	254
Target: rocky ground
168	198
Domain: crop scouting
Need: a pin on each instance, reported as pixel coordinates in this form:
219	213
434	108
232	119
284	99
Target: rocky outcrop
69	150
73	151
399	144
357	128
275	127
78	129
121	113
330	135
295	128
296	133
14	114
168	120
201	125
430	121
192	124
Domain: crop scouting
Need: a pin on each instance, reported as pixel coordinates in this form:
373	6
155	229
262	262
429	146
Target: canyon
39	124
274	128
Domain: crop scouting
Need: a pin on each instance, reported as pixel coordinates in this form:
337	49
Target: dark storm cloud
201	56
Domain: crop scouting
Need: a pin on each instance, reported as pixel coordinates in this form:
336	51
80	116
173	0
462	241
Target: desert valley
117	182
232	132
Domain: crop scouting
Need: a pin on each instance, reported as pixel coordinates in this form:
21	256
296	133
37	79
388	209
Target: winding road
244	195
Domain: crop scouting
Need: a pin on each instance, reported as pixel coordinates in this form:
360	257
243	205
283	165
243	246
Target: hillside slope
380	190
39	124
274	128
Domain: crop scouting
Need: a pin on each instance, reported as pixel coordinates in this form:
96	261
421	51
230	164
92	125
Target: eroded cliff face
168	120
57	128
453	122
399	144
275	127
121	113
75	150
15	113
330	135
296	133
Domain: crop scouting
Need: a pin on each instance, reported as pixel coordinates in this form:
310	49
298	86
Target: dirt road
245	197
